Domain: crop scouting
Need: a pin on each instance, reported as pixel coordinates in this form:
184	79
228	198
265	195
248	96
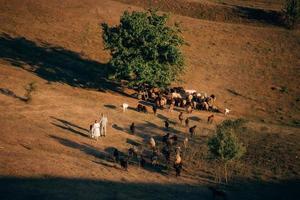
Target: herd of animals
167	150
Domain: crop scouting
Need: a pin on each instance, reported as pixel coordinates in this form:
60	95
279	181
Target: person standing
103	124
96	130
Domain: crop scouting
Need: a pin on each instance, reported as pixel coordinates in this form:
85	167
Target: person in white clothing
96	130
103	124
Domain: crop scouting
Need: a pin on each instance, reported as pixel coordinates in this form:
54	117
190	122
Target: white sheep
176	95
185	142
177	159
190	91
226	111
152	142
125	106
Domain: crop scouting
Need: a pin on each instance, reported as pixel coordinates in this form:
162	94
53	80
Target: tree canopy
224	145
144	49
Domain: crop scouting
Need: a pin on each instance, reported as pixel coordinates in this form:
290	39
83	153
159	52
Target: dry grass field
250	62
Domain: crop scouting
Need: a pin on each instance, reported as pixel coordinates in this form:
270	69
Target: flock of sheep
170	152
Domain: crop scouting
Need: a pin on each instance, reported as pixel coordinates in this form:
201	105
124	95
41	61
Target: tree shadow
63	124
10	93
86	148
260	15
57	188
56	64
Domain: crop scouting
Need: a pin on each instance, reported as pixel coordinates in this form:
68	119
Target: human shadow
10	93
56	64
63	124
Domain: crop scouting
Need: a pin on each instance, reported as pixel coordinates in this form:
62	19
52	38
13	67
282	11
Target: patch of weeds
30	87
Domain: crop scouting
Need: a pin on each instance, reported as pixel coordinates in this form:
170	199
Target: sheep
190	91
180	117
177	150
175	95
178	168
144	109
139	108
210	119
133	151
171	108
152	142
154	157
185	142
187	121
226	111
177	158
132	128
166	152
167	124
178	164
154	109
173	140
125	106
189	109
190	98
142	161
124	163
192	130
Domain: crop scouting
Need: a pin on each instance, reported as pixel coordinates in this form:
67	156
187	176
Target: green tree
224	145
291	12
144	50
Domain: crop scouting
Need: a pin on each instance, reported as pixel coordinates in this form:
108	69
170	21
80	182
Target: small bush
224	145
31	87
291	13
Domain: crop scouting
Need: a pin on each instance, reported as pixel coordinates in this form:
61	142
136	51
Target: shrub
29	89
291	12
144	49
224	145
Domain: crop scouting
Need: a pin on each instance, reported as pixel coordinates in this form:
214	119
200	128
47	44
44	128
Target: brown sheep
210	119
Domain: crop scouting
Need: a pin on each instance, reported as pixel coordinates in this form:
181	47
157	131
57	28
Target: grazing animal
178	168
167	124
226	111
116	155
171	108
165	138
166	152
144	109
172	140
192	130
210	119
180	117
176	95
185	142
124	163
190	91
139	108
133	151
189	109
142	161
154	158
152	142
154	108
187	121
132	128
217	193
125	106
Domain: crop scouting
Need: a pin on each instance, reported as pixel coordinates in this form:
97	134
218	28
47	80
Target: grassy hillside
252	67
